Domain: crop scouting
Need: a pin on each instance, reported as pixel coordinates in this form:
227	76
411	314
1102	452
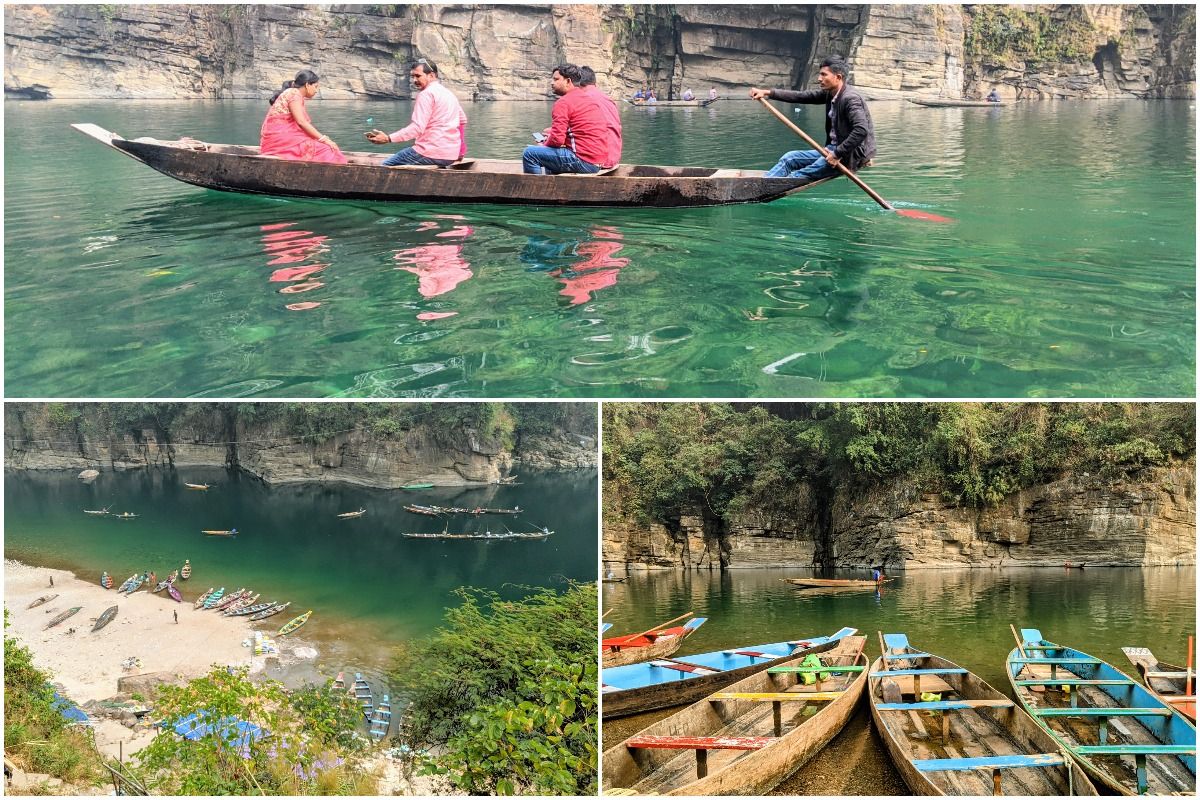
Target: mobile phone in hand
539	137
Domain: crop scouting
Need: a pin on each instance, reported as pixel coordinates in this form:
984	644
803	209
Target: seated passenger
287	132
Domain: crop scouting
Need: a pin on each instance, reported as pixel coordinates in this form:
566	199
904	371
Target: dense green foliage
506	693
666	458
1006	31
36	736
311	749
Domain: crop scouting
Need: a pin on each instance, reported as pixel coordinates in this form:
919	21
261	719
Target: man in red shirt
585	131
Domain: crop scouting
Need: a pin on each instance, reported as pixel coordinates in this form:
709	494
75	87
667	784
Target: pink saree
282	137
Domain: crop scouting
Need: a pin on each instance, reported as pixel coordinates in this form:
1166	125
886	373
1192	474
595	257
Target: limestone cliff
53	436
1146	522
506	51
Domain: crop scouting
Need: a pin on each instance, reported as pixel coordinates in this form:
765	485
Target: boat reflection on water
439	267
289	250
584	264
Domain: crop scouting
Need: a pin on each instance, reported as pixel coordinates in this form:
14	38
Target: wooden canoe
213	598
186	571
197	486
667	682
70	612
828	583
362	693
352	514
294	624
381	722
620	650
931	103
229	599
752	734
1152	748
269	612
1167	681
46	598
485	535
200	600
230	532
175	595
109	614
339	683
976	743
124	515
705	103
99	512
106	580
417	486
237	168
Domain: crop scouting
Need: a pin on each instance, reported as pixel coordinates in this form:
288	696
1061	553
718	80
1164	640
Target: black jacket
851	121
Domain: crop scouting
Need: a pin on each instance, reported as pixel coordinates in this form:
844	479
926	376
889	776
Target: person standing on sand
51	581
176	613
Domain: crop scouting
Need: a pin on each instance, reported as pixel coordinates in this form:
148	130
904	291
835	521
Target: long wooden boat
244	601
617	651
705	103
1104	718
230	599
270	612
127	584
237	168
435	511
109	614
186	571
254	609
352	514
939	103
339	683
124	515
417	486
230	532
99	512
748	737
134	583
949	733
200	600
294	624
46	598
1174	685
542	534
362	693
381	721
213	598
70	612
175	595
828	583
667	682
201	487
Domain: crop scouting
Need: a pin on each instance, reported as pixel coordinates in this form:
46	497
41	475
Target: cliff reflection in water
584	261
961	614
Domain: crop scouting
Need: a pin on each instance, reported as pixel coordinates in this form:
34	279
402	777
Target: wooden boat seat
701	744
1116	711
1074	682
904	656
1139	753
1057	661
945	705
776	697
1172	675
684	667
989	762
894	672
809	670
750	653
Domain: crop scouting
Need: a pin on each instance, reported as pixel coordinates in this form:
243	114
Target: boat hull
830	583
234	168
108	616
1170	690
957	103
621	650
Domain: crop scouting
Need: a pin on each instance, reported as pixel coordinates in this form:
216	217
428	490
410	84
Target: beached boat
70	612
245	601
748	737
1104	718
959	736
947	103
213	598
619	650
339	683
362	693
197	486
128	582
269	612
666	682
167	582
175	595
381	721
200	600
105	618
134	583
829	583
254	609
46	598
106	580
237	168
229	599
1174	685
294	624
352	514
230	532
99	512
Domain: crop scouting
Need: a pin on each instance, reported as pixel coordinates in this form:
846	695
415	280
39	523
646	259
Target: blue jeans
539	160
409	157
802	164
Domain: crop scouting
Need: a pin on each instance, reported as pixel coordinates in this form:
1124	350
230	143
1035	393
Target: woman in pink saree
287	132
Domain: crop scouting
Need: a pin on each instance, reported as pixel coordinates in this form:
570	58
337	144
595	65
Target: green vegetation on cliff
723	458
1030	33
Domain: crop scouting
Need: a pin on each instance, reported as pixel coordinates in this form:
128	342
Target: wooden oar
1024	667
652	630
904	212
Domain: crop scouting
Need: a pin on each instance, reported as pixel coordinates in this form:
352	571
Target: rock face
507	51
39	437
1145	523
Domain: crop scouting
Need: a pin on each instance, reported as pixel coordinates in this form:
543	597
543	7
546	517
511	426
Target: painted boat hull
741	773
637	688
295	624
70	612
234	168
175	595
1173	729
270	612
41	600
108	616
621	650
957	103
830	583
1169	690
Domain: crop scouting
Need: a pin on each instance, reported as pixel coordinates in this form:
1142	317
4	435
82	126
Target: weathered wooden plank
944	705
776	697
700	742
1101	712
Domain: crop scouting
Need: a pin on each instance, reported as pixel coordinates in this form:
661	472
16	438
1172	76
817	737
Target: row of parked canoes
757	714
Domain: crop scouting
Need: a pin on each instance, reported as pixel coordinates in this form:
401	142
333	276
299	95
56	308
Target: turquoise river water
1069	269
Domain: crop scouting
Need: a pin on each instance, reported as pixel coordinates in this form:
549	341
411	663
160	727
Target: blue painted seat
944	705
989	762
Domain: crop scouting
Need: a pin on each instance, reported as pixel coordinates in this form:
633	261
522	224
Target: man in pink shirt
438	125
585	129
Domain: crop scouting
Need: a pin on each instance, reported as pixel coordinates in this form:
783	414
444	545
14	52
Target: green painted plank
1101	712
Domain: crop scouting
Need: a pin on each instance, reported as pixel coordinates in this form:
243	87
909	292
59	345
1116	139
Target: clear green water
369	587
1070	270
960	615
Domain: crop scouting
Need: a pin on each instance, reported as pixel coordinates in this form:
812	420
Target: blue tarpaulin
236	732
69	710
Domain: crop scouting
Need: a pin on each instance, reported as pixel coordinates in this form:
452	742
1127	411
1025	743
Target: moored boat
429	511
64	615
294	624
124	515
254	609
958	735
46	598
185	572
106	580
270	612
229	599
197	486
619	650
1103	718
175	595
417	486
128	583
339	683
748	737
362	693
98	512
230	532
352	514
1174	685
381	721
245	601
666	682
949	103
830	583
134	583
213	598
200	600
109	614
237	168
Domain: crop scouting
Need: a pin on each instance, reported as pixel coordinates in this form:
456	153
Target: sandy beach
88	664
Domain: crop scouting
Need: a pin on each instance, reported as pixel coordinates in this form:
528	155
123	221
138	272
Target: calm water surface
369	587
1070	270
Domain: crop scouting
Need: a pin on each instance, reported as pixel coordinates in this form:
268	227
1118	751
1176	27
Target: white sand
88	664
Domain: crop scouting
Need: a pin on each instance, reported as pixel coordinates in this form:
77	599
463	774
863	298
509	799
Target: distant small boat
68	613
175	595
1168	682
339	683
826	583
417	486
200	600
613	580
197	486
696	103
270	612
106	580
46	598
125	515
105	618
230	532
362	693
381	722
100	512
294	624
352	514
938	103
186	572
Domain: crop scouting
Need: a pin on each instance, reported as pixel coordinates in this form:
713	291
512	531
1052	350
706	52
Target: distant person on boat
849	132
584	136
877	574
639	94
288	132
687	95
712	93
651	98
993	96
438	126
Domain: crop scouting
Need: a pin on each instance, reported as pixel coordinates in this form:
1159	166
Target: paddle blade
912	213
